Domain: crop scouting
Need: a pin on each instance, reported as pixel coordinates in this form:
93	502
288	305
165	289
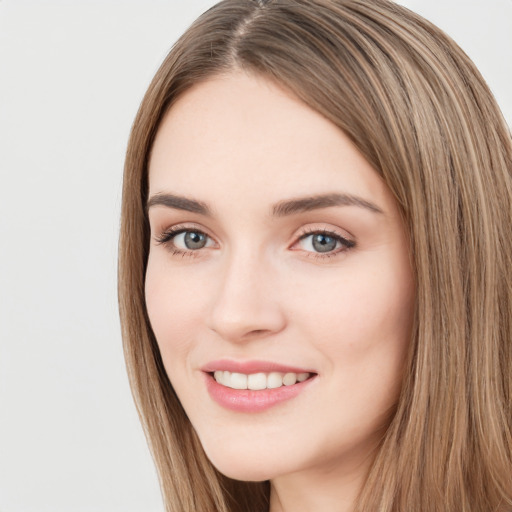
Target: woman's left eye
324	243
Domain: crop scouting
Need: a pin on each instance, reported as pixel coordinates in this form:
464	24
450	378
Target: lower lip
247	400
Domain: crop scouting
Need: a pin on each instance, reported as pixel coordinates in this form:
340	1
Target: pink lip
249	367
246	400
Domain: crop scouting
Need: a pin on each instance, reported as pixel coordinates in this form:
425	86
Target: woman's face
277	255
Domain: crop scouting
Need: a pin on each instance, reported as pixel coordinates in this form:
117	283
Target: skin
260	290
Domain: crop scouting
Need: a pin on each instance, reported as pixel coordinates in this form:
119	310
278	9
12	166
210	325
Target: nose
246	305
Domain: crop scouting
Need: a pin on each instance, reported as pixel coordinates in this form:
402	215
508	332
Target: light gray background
72	74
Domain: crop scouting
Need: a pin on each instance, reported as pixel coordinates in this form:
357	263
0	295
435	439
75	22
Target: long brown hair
419	111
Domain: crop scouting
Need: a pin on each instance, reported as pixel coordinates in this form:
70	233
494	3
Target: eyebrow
179	203
306	204
281	209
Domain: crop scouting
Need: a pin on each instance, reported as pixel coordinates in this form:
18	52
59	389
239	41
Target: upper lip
250	367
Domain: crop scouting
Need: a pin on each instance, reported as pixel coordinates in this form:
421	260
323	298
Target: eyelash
167	237
345	243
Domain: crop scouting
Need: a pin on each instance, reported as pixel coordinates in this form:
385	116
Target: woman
314	254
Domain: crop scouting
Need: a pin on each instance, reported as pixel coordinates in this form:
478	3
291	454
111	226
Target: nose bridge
246	303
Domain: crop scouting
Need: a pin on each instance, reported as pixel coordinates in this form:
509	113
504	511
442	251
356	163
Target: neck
330	489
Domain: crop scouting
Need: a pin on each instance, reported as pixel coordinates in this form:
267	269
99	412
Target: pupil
195	240
324	243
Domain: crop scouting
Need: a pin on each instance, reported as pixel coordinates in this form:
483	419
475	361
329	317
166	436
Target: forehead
241	129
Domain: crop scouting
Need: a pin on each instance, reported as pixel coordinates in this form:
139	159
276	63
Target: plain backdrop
72	74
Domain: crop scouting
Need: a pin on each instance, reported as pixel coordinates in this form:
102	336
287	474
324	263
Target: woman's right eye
185	241
190	240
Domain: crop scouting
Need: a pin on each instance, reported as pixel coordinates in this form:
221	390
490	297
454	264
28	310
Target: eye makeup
322	243
188	240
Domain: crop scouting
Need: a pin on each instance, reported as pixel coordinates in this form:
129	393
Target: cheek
358	301
380	331
377	315
362	322
173	306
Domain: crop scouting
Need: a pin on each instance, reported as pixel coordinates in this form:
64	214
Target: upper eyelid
347	242
180	227
337	232
325	231
169	234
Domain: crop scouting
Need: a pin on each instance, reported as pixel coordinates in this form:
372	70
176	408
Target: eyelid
324	228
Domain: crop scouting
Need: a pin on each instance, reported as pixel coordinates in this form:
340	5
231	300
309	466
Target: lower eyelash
167	237
184	254
323	256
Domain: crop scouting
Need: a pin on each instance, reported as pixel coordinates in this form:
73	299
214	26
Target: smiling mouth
253	387
258	381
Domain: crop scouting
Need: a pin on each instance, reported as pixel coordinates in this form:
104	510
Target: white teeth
238	381
290	379
258	381
274	380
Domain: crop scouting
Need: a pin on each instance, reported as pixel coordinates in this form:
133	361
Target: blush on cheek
171	333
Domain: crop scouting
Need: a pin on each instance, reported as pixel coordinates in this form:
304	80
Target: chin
242	465
244	474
